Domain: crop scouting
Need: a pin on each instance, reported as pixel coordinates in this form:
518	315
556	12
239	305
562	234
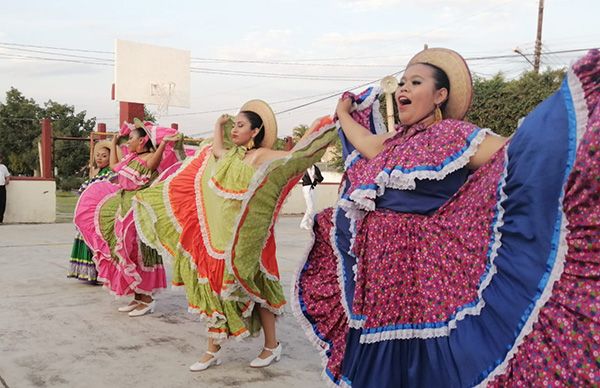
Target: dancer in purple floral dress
455	257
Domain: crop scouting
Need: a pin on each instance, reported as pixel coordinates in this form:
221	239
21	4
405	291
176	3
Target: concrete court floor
59	332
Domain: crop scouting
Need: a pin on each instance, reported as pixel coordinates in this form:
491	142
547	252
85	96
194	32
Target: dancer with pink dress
104	216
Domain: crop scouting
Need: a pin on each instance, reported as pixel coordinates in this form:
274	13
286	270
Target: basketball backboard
151	74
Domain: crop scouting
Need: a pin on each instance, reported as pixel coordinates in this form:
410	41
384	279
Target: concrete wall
30	200
325	195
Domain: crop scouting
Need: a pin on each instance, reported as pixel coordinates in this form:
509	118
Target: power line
106	62
51	53
278	62
18	56
56	48
332	95
273	75
110	62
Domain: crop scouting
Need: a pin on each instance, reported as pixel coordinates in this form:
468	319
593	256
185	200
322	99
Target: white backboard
152	74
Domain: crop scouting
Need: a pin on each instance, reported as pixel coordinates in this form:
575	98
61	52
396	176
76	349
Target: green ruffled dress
215	220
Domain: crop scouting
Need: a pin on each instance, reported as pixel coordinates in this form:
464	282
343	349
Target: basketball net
163	93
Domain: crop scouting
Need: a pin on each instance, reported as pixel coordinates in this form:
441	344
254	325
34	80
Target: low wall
326	195
30	199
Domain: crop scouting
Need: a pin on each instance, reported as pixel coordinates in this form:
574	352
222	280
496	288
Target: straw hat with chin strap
265	112
103	144
461	84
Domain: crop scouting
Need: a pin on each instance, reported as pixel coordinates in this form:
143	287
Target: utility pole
538	39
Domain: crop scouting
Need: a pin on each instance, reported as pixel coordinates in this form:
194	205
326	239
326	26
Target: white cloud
356	39
375	5
264	45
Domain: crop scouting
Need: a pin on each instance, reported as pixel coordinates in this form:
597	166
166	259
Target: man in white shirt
312	177
4	180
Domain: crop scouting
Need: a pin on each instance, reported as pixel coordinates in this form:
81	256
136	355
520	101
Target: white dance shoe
146	310
200	366
130	307
263	362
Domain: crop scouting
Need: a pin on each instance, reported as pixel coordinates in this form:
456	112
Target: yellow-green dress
215	220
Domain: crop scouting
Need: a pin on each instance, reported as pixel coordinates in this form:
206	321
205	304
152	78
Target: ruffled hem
82	271
398	177
304	154
579	120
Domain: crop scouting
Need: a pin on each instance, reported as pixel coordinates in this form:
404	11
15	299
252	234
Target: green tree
70	157
337	162
499	104
298	132
20	131
149	116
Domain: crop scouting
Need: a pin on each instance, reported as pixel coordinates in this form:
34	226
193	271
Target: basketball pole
128	110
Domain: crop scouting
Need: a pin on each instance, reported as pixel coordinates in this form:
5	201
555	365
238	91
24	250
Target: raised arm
367	143
114	156
263	155
217	145
155	158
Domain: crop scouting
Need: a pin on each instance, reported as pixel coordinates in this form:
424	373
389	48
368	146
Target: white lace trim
353	232
379	122
257	179
320	345
350	159
134	176
100	256
368	101
340	260
352	212
181	251
130	269
356	323
365	198
266	272
166	200
485	282
225	194
581	115
406	181
137	206
200	214
211	320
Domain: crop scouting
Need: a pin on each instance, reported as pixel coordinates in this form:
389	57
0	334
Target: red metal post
102	128
46	149
129	111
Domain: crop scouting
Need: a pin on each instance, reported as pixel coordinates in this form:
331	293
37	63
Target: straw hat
265	112
106	144
102	144
461	84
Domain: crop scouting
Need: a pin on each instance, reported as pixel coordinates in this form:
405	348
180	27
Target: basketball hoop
162	93
163	80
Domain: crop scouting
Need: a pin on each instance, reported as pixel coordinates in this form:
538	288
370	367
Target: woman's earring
438	114
250	144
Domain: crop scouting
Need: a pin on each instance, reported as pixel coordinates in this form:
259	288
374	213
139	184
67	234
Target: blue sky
340	43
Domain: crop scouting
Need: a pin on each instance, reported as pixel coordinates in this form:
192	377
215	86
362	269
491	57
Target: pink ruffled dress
105	219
